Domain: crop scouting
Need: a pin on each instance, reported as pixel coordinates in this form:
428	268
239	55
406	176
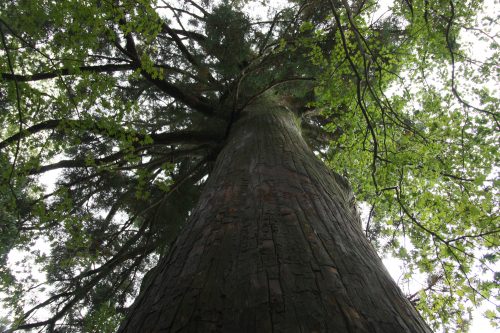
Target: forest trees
135	102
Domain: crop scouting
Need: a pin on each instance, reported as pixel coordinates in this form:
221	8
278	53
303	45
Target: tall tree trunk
274	245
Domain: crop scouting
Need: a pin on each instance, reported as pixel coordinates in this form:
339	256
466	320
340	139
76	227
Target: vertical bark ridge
274	245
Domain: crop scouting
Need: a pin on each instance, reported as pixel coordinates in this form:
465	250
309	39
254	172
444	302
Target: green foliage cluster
421	147
127	104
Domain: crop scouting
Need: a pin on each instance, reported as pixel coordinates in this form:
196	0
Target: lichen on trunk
273	245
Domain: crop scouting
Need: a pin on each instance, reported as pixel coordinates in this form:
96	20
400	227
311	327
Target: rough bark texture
274	245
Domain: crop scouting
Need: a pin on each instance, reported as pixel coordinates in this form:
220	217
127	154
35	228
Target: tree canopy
129	102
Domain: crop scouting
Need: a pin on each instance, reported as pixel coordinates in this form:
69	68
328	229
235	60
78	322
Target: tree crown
129	102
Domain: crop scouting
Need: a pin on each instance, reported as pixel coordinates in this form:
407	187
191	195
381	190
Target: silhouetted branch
65	71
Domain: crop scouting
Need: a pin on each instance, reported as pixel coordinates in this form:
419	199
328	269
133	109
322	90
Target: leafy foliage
127	103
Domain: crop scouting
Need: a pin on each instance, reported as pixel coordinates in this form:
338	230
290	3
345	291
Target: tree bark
274	244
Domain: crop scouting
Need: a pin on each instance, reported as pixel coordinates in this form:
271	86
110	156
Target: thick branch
197	103
179	137
203	70
200	8
76	163
45	125
181	46
186	137
86	163
66	71
200	38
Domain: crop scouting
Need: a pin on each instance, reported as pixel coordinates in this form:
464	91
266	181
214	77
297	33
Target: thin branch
358	93
492	232
452	56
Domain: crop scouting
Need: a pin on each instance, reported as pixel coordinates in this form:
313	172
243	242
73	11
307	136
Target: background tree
132	101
